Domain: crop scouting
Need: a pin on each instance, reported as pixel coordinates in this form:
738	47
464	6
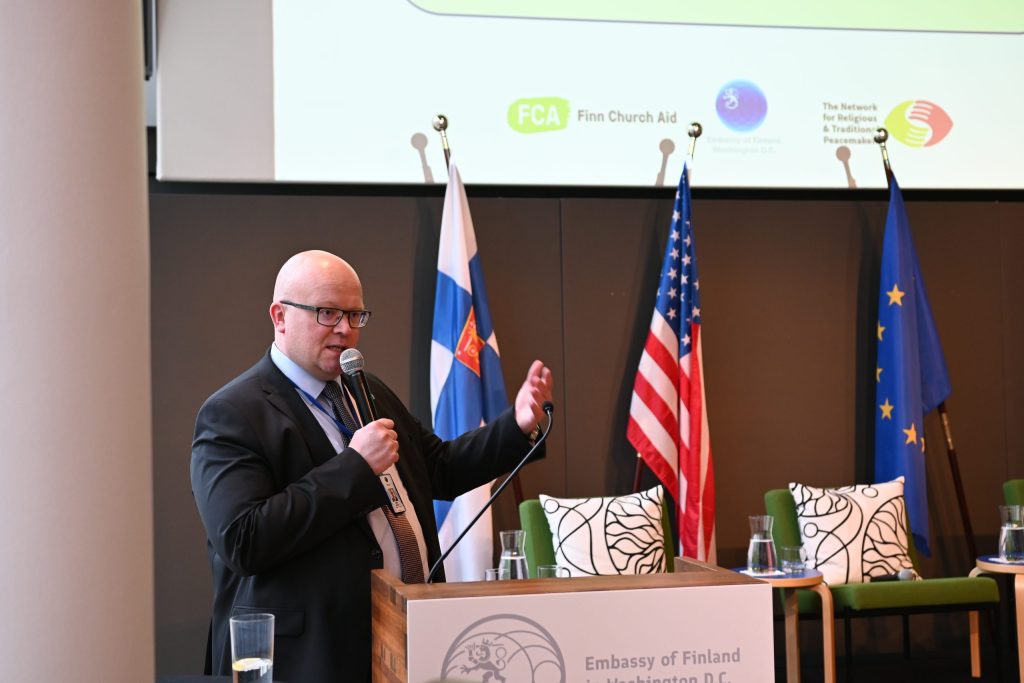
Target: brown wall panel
610	248
789	291
781	329
958	247
1011	251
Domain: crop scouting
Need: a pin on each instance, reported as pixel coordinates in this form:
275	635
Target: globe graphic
504	648
741	106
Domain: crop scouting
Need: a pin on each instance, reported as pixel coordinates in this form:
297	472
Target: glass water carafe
513	556
1011	533
761	551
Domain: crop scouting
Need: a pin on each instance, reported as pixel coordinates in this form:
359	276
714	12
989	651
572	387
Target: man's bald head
310	268
308	281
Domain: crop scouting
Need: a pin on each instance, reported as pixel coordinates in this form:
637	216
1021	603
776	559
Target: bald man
300	501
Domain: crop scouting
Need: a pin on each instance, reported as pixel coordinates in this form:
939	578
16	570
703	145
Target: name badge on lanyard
394	497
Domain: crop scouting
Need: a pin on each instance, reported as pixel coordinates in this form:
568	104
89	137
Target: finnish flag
466	384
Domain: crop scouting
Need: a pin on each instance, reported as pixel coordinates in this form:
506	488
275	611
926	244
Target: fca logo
538	114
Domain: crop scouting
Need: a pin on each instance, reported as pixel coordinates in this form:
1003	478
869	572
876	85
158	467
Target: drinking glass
761	551
252	648
513	557
1011	534
495	574
794	559
552	571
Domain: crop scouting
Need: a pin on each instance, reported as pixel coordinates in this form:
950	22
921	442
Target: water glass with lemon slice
252	648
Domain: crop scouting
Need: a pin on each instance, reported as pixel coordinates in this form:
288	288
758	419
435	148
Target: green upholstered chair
958	594
1013	492
540	549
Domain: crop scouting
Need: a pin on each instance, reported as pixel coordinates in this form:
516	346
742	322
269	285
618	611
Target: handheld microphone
549	408
352	365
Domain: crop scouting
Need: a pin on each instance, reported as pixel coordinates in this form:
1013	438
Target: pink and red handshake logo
919	123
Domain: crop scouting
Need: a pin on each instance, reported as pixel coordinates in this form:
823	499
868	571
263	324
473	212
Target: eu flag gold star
878	374
896	296
887	410
911	434
880	330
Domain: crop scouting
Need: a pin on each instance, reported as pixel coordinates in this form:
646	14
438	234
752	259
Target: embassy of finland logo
918	123
741	106
504	648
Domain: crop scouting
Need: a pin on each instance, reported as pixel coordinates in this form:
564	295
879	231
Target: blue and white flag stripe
466	385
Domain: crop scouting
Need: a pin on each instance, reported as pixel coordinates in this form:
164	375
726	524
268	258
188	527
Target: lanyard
346	432
394	497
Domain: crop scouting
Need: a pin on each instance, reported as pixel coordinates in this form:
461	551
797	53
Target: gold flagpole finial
694	131
881	135
441	126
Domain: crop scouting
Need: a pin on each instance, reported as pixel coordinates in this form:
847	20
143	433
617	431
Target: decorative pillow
600	536
854	532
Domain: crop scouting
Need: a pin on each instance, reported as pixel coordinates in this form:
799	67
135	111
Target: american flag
668	422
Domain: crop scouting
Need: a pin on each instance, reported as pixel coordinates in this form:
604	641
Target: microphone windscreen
351	361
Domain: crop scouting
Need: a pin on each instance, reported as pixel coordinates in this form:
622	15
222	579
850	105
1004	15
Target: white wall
76	540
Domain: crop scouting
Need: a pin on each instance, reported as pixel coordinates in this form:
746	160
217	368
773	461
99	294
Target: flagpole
694	131
972	551
881	135
441	126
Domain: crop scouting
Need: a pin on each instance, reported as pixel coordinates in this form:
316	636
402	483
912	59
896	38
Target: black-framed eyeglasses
330	317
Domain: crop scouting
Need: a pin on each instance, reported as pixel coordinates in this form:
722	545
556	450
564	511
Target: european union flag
911	377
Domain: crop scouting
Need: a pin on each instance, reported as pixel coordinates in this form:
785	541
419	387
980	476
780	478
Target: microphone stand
548	408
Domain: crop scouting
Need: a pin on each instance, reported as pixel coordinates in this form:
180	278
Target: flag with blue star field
911	377
467	388
668	419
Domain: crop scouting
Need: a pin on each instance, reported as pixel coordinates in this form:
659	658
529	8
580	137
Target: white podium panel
678	634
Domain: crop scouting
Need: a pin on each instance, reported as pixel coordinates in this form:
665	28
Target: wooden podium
701	624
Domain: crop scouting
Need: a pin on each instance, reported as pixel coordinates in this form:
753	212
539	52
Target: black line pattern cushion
854	532
601	536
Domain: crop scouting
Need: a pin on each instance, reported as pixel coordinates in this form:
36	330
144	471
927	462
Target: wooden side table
992	565
788	583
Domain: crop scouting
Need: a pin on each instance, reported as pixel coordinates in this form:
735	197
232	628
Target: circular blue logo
741	106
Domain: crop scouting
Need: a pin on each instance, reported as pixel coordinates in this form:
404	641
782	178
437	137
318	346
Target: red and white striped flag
668	421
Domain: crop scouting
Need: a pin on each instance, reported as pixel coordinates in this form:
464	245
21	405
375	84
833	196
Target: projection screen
568	93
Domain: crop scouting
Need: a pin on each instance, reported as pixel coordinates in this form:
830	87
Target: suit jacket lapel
281	394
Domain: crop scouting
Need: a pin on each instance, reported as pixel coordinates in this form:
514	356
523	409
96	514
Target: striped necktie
332	392
408	548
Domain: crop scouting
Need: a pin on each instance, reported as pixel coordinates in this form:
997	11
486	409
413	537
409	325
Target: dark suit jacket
285	515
